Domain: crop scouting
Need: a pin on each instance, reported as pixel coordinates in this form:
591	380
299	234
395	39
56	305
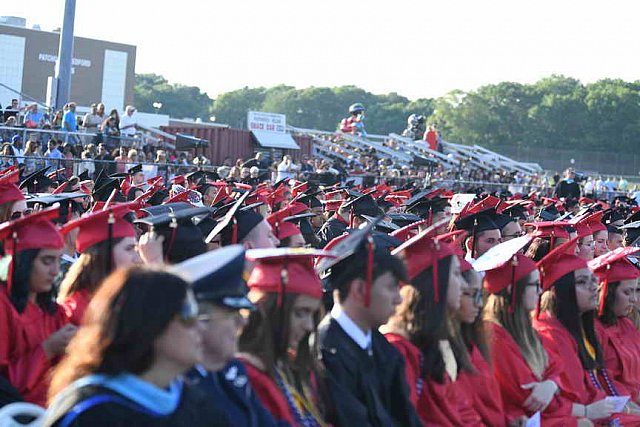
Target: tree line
555	112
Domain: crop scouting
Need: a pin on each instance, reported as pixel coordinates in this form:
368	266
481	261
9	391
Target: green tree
177	100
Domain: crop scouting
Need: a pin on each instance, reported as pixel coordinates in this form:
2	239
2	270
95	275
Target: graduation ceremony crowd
127	301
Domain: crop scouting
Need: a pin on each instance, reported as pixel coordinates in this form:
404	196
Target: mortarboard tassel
13	251
234	231
474	233
173	225
603	293
284	279
110	222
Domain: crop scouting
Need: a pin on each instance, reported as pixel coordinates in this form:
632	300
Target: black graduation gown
365	390
194	410
330	230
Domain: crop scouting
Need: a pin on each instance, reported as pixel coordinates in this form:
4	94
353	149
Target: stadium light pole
65	54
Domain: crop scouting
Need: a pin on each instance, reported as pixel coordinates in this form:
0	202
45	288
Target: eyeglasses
20	214
188	314
474	294
513	236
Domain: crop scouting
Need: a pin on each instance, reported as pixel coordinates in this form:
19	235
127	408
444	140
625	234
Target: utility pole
62	79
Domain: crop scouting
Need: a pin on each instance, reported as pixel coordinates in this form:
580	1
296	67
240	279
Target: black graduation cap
281	182
236	223
626	199
66	201
103	192
84	176
502	220
426	207
135	169
37	182
310	199
216	277
631	233
182	238
360	246
633	217
403	219
382	225
101	178
611	216
517	211
165	209
386	241
362	205
158	197
302	221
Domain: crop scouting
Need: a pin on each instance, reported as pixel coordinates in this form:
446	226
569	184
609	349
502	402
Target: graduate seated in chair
364	373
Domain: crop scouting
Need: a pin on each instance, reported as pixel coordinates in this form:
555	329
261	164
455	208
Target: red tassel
430	222
512	306
603	295
434	276
284	278
369	284
234	232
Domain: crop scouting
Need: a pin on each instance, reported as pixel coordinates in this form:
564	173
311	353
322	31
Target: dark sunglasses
20	214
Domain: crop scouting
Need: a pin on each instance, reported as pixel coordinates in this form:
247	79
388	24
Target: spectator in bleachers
128	123
16	143
121	159
34	118
92	120
132	159
67	163
56	121
7	151
12	110
32	158
103	155
87	164
53	155
286	168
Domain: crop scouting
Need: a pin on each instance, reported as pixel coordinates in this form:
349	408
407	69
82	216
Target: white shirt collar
355	333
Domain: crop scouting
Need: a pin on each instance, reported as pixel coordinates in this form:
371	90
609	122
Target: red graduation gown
512	371
483	391
75	305
621	346
22	360
575	382
438	404
269	393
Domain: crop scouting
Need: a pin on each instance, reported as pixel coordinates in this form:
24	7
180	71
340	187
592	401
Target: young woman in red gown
566	326
422	330
619	338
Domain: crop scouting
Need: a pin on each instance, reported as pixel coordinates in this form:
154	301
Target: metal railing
77	138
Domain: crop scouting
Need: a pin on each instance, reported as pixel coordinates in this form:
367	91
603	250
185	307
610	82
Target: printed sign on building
268	122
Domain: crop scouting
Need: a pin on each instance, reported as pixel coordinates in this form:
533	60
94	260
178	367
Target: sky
419	49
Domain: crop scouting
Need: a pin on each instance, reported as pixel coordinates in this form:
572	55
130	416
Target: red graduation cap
179	180
33	231
100	226
613	267
585	201
9	191
331	205
505	266
594	221
54	175
454	238
300	188
406	232
424	251
286	270
550	229
560	261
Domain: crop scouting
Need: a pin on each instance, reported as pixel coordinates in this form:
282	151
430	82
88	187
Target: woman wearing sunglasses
121	368
527	378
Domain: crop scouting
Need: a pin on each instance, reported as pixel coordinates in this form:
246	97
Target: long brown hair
125	317
5	210
266	335
427	322
88	271
474	334
518	325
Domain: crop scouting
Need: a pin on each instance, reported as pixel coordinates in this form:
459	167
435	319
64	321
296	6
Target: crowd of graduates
127	301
